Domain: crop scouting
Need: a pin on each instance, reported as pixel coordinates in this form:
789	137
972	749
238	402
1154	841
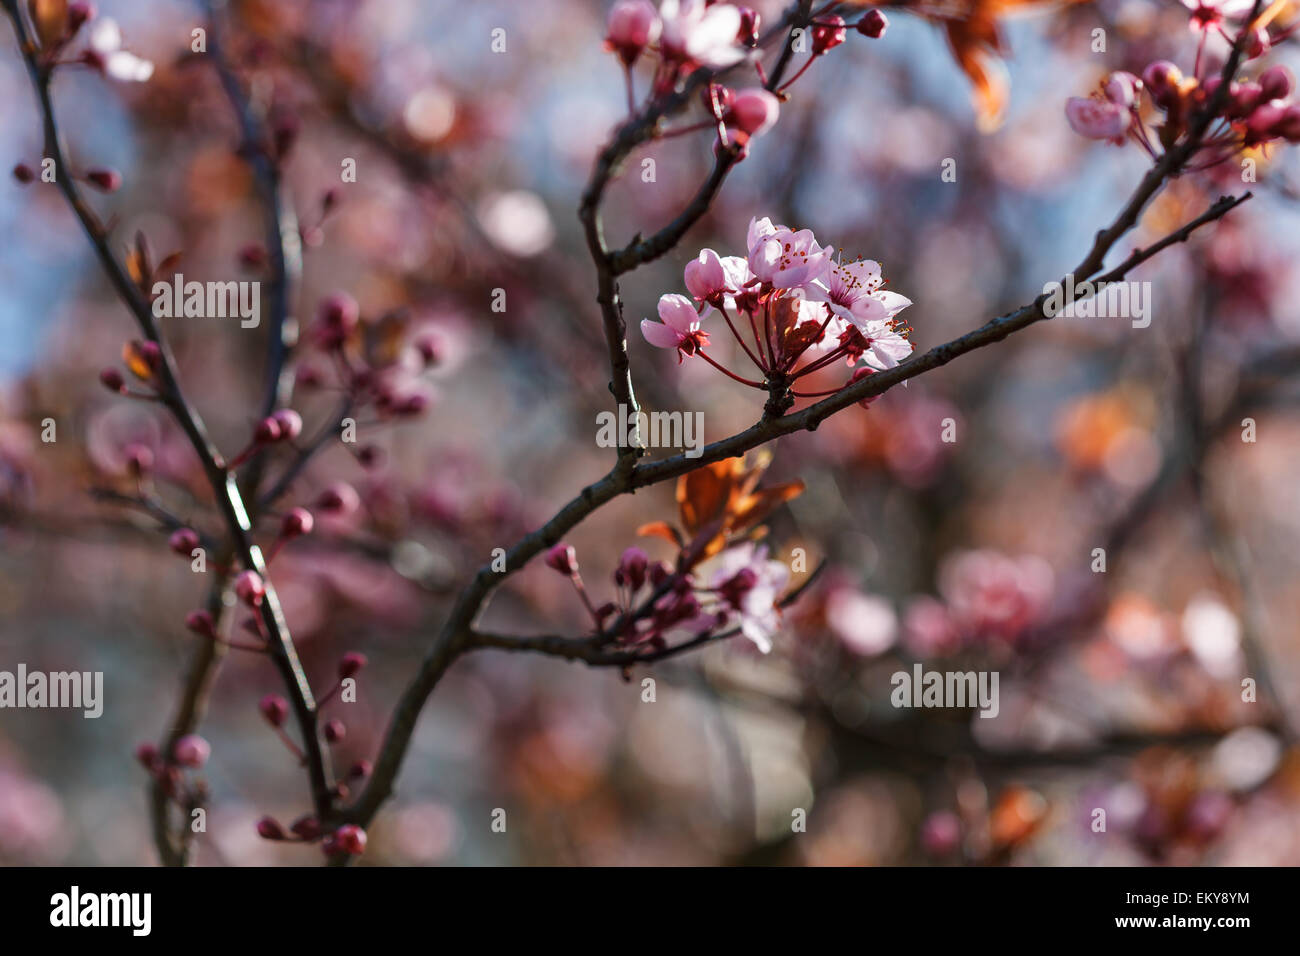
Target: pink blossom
696	33
1098	119
1207	14
752	584
679	327
784	258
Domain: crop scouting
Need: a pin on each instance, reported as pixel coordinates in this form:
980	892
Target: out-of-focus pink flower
679	327
105	54
929	630
633	25
864	623
993	595
1122	88
1207	14
785	258
1098	119
694	32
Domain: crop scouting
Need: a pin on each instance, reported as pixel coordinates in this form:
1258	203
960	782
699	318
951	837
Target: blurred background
1120	690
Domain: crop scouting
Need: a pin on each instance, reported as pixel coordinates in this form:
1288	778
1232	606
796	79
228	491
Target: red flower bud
749	24
370	456
1275	83
200	622
183	541
274	708
828	34
360	770
873	24
297	521
268	431
861	372
307	828
335	731
250	588
632	26
351	663
268	829
112	380
349	839
191	751
105	180
337	317
252	255
24	173
339	498
632	568
562	558
290	423
147	755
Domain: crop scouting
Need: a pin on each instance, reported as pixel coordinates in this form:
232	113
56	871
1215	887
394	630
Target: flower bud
252	255
755	111
338	316
306	828
290	423
350	664
1275	83
250	588
200	622
1258	43
371	456
360	770
335	731
268	829
633	25
632	568
147	755
750	22
268	431
24	174
297	522
339	498
183	541
191	751
660	572
562	558
873	24
859	373
349	839
828	34
1162	79
112	380
105	180
274	708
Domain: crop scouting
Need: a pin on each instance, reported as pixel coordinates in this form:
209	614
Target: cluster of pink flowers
1253	113
689	34
796	298
985	596
743	591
